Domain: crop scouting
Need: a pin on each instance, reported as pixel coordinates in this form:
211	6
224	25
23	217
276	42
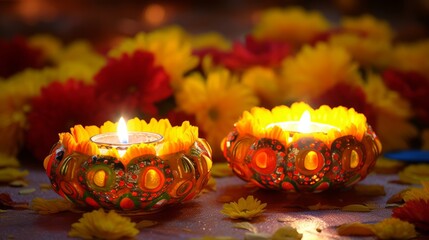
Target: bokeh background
101	19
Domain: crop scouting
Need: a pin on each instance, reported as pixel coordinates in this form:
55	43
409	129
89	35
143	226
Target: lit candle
304	125
122	139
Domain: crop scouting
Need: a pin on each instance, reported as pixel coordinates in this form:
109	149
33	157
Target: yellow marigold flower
370	26
245	208
265	84
210	40
394	228
393	113
50	45
9	174
418	193
81	71
171	48
411	57
415	173
216	102
294	25
329	66
49	206
81	51
367	51
101	225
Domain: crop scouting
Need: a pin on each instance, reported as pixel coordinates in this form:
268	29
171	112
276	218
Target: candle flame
304	122
122	131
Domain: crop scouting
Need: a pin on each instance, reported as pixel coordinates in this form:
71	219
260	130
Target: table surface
201	216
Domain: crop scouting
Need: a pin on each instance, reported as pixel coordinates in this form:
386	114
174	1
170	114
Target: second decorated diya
301	149
141	171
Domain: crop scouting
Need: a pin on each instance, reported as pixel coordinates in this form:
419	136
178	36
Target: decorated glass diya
140	171
301	149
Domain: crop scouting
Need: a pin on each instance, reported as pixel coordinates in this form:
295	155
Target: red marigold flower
414	211
17	55
413	87
59	107
349	96
134	81
250	53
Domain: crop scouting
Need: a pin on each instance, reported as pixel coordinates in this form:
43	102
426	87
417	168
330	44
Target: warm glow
122	131
154	14
304	122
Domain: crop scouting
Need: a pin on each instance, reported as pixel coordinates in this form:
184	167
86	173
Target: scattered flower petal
9	174
45	186
356	208
145	224
387	166
6	202
245	208
355	229
8	161
101	225
214	238
369	190
221	170
18	183
225	199
320	206
27	191
286	233
50	206
415	173
285	219
256	236
247	226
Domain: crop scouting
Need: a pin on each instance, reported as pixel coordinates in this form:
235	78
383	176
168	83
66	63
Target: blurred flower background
85	62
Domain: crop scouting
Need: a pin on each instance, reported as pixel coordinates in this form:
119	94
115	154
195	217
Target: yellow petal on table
355	229
415	173
221	170
8	161
369	190
356	208
50	206
10	174
247	226
145	224
320	206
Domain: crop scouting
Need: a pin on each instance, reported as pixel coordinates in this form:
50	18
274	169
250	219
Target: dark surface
201	216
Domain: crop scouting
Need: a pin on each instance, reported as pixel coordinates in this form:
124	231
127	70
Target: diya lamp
135	172
301	149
